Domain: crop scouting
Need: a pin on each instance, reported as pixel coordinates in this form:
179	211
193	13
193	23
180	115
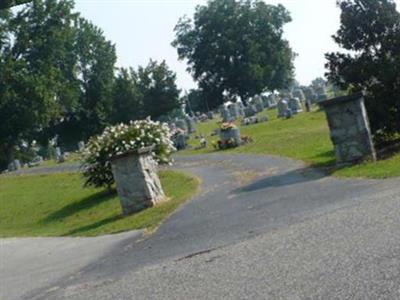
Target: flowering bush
121	139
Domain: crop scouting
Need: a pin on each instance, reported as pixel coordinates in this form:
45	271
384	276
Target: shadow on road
292	177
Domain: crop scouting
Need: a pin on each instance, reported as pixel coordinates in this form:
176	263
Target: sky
144	29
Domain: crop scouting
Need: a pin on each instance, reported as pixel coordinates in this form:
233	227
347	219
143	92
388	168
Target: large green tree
157	85
86	101
147	91
34	66
56	75
237	47
127	98
370	34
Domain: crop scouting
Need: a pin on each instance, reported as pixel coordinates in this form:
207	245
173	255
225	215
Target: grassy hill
304	137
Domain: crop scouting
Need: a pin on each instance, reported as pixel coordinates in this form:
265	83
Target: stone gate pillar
349	128
137	181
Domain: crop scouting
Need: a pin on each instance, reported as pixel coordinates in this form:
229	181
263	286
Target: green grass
304	137
58	205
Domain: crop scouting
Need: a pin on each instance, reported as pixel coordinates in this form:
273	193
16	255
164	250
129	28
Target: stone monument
138	184
349	128
298	93
258	103
295	105
191	125
181	124
250	111
234	111
225	114
232	134
283	108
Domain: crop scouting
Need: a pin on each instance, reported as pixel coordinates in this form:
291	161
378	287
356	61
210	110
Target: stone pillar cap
141	151
338	100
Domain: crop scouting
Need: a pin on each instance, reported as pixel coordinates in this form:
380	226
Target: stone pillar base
137	181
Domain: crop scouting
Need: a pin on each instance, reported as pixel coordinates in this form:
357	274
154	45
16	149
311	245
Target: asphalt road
262	228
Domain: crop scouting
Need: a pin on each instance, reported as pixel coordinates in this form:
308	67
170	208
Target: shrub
121	139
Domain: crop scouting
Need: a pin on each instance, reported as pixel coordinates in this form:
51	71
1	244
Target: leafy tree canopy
237	47
370	32
147	91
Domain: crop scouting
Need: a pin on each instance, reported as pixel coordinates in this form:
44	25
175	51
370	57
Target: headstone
230	135
250	110
180	141
35	162
15	165
310	94
295	105
181	124
254	120
321	93
81	146
283	108
191	125
234	111
349	128
258	103
225	115
241	108
60	158
298	93
210	115
138	184
272	101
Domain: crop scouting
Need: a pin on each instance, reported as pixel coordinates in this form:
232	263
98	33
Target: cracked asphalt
263	227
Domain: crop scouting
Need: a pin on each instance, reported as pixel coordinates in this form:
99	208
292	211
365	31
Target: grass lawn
58	205
304	137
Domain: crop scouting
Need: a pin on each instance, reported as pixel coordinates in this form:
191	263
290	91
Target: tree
10	3
157	85
34	65
93	74
370	32
127	99
195	101
237	47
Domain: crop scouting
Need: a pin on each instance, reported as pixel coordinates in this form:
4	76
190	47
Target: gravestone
258	103
349	128
321	93
283	108
180	141
181	124
295	105
250	110
241	108
60	157
234	111
15	165
310	94
210	115
138	184
271	101
298	93
191	125
81	146
232	134
225	115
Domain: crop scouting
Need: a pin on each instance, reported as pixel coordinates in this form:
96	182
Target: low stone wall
349	128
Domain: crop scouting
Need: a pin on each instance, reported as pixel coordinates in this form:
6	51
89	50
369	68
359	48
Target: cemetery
252	170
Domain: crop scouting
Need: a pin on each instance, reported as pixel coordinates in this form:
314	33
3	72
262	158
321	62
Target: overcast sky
143	29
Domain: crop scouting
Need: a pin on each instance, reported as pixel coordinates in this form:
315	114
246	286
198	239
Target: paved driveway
262	228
